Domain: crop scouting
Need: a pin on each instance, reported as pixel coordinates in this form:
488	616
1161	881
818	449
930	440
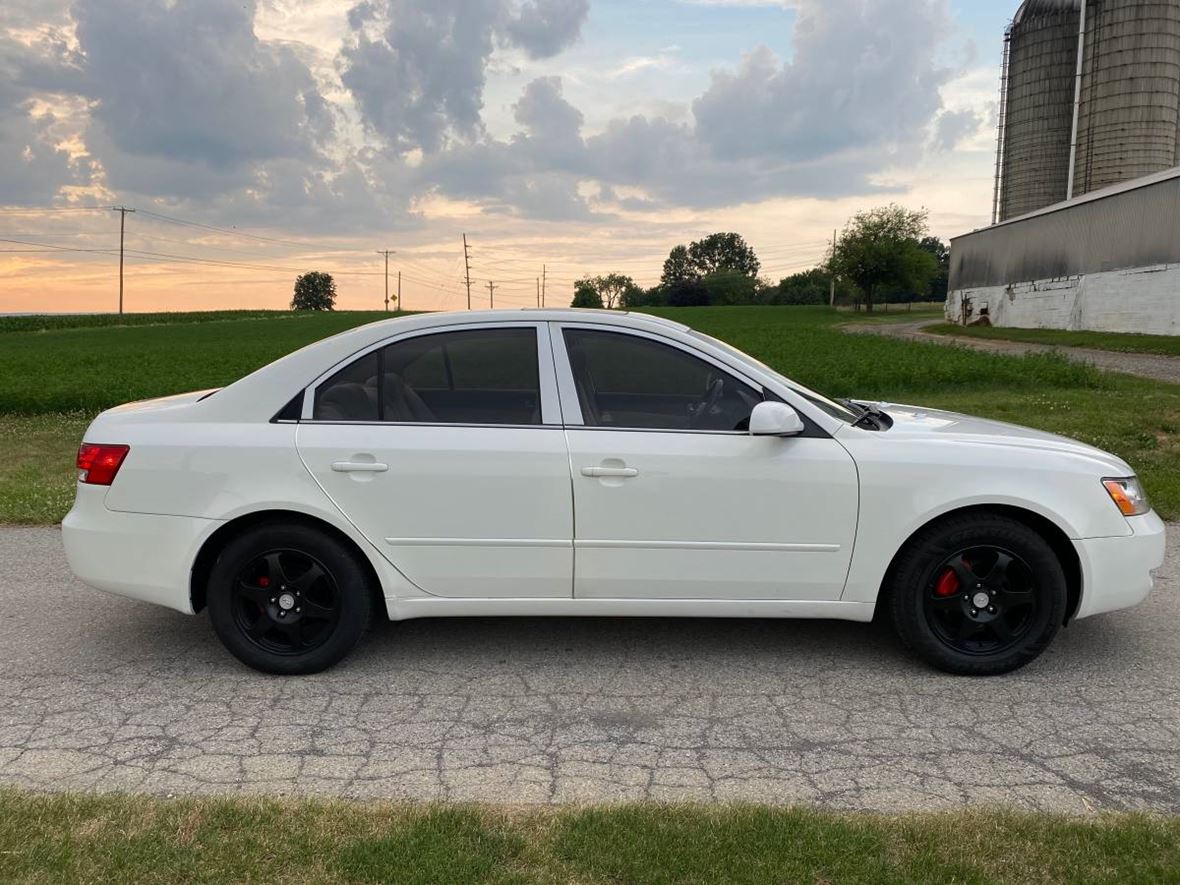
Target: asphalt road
103	693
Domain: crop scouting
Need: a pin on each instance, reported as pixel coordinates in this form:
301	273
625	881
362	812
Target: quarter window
475	376
628	381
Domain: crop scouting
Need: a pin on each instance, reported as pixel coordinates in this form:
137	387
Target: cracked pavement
102	693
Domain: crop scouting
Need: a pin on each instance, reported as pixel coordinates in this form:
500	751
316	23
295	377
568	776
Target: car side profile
569	462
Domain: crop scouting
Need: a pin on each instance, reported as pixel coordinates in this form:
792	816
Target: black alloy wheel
978	593
982	600
289	598
286	602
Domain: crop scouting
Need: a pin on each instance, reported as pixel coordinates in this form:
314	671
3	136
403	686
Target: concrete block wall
1145	299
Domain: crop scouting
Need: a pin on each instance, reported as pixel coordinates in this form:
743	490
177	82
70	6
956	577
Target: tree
612	290
712	254
731	286
686	293
724	251
585	295
881	249
942	254
314	290
678	267
806	287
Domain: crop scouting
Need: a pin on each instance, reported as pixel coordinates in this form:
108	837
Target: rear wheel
978	595
285	598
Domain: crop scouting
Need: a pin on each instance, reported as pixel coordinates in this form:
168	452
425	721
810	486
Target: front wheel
978	595
288	599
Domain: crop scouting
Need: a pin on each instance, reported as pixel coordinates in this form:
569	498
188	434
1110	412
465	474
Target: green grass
91	369
49	380
88	838
54	322
1121	342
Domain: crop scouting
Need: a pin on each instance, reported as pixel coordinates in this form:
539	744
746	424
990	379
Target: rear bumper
1116	572
142	556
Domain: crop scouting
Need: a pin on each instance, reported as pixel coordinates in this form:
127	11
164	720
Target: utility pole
387	253
543	281
399	291
832	277
467	264
122	210
491	295
538	291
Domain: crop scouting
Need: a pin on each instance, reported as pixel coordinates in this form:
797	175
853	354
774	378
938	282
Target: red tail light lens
98	464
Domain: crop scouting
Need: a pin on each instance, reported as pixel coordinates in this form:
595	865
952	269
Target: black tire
286	598
945	573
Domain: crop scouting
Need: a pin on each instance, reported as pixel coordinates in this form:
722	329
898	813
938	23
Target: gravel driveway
98	692
1146	365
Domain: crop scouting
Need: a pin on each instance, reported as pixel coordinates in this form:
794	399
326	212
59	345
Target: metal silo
1038	99
1110	114
1130	92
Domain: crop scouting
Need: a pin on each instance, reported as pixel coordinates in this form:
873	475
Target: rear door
445	449
674	499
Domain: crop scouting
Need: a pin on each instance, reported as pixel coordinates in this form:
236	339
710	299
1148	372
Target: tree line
883	255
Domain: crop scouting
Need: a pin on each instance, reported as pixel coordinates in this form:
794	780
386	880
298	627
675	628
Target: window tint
350	394
627	381
478	376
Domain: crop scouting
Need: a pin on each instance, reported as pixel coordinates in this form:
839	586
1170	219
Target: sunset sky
261	139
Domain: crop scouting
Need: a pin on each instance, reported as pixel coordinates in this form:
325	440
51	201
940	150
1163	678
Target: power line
225	230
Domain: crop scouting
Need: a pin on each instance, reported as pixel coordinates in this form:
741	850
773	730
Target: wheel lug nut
298	609
272	600
991	609
282	614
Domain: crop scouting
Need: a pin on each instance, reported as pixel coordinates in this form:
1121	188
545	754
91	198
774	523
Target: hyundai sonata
561	462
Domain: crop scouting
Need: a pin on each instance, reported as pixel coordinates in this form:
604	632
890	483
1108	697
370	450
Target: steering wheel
715	386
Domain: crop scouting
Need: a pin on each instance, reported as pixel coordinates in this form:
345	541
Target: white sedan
560	462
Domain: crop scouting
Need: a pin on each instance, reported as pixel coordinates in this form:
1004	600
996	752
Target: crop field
52	380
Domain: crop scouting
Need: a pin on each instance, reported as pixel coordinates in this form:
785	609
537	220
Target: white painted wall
1143	299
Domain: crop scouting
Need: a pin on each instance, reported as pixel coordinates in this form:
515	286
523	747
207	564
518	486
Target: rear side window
351	394
475	376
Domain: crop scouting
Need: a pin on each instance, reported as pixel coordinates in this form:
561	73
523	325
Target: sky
258	139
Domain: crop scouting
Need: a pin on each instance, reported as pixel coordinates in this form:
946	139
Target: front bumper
1116	572
142	556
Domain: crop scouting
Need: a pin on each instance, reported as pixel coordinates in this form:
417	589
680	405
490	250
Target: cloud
863	74
187	97
417	68
33	165
954	127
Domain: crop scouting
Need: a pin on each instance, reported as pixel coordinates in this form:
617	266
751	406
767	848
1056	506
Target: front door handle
359	467
609	471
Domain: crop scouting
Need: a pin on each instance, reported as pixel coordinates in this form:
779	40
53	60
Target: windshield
825	404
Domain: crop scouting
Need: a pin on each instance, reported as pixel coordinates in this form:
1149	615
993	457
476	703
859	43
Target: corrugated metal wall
1135	228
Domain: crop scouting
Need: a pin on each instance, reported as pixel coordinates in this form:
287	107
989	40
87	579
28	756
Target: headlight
1127	494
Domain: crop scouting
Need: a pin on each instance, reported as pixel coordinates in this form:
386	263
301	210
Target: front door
446	451
674	499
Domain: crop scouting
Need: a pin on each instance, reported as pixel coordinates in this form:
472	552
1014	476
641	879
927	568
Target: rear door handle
359	467
609	471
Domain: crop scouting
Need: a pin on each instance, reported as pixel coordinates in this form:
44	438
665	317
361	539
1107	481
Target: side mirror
775	419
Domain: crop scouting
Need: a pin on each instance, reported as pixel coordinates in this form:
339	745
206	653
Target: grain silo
1092	86
1042	51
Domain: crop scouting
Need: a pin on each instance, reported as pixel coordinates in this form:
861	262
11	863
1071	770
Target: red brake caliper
948	583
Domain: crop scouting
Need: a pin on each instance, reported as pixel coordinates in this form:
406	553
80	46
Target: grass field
70	838
1121	342
52	380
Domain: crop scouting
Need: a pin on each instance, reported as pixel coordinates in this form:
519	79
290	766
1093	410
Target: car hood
937	424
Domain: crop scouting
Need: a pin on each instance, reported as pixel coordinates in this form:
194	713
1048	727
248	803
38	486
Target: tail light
98	464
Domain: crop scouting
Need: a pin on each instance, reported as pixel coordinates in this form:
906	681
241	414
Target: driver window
631	382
